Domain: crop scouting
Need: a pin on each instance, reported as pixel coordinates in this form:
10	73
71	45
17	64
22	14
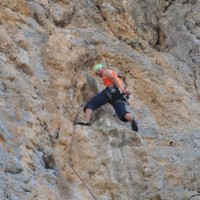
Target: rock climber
115	93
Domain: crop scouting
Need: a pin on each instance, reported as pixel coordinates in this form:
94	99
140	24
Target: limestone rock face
47	51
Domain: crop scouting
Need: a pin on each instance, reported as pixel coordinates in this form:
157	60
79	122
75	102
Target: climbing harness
111	92
112	89
70	152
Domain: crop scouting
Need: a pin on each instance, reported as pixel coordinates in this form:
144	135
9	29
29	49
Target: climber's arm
108	74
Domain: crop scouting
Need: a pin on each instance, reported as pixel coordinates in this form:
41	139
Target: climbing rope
70	152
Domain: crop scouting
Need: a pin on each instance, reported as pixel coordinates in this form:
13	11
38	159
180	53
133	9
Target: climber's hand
126	92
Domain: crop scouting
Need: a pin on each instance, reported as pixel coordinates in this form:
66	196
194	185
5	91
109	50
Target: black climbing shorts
112	96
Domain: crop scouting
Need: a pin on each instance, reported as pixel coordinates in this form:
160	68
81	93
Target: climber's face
100	73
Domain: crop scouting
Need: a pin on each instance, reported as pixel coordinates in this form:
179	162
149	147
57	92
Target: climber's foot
83	123
134	126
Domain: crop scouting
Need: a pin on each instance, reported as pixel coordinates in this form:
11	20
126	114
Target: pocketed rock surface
47	51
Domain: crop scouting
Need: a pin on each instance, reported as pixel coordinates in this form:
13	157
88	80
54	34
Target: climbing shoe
83	123
134	126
